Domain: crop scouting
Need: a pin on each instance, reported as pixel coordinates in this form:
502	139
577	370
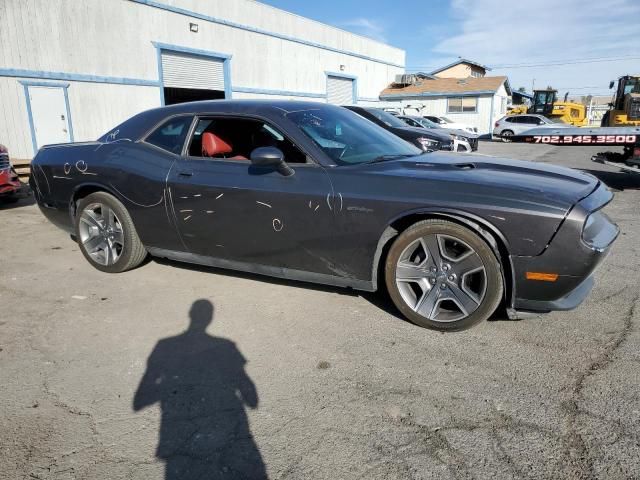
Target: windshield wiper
383	158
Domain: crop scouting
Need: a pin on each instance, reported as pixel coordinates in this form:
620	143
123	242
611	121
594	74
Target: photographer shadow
202	388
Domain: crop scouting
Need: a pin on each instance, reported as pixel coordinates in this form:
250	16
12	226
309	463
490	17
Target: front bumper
9	183
569	257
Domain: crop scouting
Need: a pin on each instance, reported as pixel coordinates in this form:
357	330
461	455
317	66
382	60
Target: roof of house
458	62
447	87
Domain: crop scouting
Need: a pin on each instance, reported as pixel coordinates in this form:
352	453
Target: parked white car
444	122
511	125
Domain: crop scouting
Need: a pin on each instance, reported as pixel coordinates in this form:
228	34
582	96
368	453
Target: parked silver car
444	122
511	125
464	141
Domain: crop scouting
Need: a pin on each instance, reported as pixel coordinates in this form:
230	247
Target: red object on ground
9	182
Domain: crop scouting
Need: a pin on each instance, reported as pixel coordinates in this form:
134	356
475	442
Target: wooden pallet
23	168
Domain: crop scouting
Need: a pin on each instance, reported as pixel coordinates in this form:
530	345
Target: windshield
632	86
553	119
386	118
349	139
447	120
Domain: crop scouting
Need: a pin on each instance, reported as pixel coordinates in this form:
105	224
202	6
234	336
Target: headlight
428	144
599	231
460	138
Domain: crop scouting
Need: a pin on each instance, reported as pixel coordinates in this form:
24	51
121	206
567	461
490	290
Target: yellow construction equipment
545	102
625	107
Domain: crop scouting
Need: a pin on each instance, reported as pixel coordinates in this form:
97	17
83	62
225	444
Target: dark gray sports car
312	192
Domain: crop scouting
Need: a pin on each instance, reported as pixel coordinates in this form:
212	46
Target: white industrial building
70	69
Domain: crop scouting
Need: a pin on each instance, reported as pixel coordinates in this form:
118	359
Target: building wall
461	70
104	51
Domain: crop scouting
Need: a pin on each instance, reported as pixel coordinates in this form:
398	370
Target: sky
572	45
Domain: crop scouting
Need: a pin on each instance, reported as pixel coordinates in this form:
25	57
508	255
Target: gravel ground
177	372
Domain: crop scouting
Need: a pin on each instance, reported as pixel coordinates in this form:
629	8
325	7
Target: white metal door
183	70
50	115
339	90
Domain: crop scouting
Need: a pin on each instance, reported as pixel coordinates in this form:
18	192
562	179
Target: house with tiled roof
460	91
461	68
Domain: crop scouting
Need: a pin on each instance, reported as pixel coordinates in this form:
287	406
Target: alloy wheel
441	278
101	233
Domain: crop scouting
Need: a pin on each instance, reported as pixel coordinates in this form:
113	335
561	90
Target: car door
227	209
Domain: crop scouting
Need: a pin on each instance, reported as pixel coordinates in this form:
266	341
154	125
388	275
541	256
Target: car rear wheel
443	276
106	235
506	136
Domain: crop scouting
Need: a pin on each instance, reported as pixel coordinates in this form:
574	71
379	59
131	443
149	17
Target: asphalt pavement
171	371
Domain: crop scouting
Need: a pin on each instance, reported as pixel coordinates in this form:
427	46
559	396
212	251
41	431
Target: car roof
138	125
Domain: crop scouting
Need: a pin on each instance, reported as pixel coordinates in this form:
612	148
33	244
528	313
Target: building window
476	74
462	105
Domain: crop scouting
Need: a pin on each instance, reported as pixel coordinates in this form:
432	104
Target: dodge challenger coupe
312	192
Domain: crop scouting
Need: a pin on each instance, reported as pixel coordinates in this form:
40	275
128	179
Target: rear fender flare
89	187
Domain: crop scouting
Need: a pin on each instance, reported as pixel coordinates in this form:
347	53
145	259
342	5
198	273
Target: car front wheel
506	136
106	235
443	276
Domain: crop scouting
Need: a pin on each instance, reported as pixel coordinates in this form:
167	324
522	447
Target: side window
170	136
236	138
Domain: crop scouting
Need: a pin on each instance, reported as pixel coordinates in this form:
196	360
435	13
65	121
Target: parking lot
176	370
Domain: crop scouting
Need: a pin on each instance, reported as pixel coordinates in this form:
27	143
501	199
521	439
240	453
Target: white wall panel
14	120
97	108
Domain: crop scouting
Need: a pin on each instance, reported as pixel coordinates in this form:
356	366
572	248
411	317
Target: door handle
185	174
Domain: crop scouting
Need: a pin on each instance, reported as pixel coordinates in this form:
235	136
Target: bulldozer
625	107
545	102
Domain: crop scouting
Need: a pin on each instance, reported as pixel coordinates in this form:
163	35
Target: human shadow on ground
202	388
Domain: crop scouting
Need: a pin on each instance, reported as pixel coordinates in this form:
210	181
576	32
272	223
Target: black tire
605	119
9	199
492	279
505	134
132	252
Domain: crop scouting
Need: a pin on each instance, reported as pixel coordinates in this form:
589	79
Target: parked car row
444	122
427	141
464	140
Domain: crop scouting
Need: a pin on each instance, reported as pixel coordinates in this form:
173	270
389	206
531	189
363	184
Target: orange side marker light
542	277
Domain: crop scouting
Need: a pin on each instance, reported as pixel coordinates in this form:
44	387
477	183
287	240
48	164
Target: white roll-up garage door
184	70
339	90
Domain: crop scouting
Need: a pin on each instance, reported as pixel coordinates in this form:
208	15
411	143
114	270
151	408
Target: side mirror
265	157
611	84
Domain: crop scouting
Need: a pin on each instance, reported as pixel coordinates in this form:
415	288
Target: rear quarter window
171	135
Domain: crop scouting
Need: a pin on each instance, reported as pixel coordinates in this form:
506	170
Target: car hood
482	178
462	133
